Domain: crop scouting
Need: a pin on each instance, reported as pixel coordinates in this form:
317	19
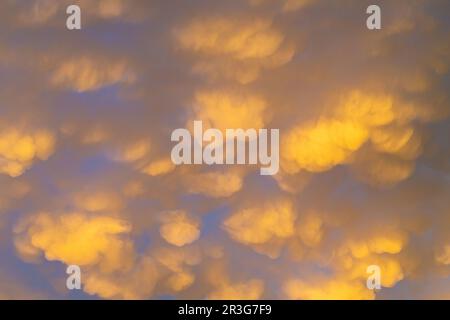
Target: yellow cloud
293	5
40	12
235	48
159	167
177	259
358	119
443	255
391	242
135	152
400	141
86	73
242	39
227	110
262	223
391	271
18	149
77	238
214	184
327	290
248	290
98	201
180	281
179	229
321	146
378	169
369	110
133	189
138	283
111	8
310	229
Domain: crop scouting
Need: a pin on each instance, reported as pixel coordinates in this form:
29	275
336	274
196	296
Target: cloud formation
86	176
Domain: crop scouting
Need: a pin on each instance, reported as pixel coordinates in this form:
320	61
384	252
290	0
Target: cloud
179	229
159	167
263	224
86	175
19	149
443	256
369	131
235	48
227	110
136	284
249	290
215	184
99	201
86	74
42	12
326	290
76	238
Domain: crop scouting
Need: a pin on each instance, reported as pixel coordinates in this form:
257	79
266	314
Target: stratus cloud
20	148
235	48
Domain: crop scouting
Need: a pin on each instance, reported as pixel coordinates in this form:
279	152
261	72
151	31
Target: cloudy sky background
85	170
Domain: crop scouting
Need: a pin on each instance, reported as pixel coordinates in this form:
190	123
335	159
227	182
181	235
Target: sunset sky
86	177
